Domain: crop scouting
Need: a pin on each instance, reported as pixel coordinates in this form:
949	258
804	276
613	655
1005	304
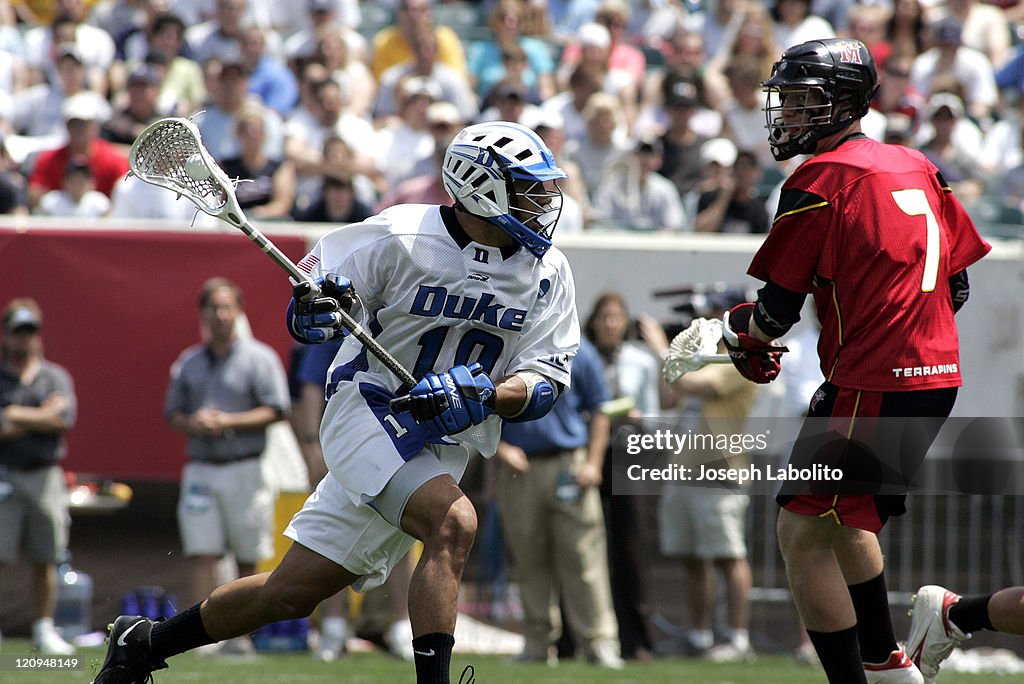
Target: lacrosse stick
694	348
170	153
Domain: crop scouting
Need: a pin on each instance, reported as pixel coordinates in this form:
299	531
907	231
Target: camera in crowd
700	300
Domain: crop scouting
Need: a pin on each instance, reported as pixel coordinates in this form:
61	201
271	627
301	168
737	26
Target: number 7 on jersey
913	202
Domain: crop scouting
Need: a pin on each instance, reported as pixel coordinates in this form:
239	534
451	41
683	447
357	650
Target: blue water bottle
73	612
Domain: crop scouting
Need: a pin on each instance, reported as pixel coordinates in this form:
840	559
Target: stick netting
160	154
687	351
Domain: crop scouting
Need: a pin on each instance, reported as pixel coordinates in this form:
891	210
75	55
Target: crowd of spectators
335	107
332	110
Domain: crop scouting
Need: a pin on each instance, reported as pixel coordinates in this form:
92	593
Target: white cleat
898	669
606	655
399	640
48	641
333	637
730	653
932	636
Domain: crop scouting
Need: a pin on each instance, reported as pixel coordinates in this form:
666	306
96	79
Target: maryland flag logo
850	53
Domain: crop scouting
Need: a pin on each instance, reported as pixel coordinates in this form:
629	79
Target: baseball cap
948	100
144	73
649	144
719	151
726	299
231	58
898	125
233	62
947	31
85	106
321	6
22	317
69	50
421	85
508	89
595	35
443	113
539	117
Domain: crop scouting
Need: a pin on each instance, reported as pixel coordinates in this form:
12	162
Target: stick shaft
358	331
271	250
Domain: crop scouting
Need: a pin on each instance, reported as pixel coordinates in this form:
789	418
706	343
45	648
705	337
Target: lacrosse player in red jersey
873	232
475	300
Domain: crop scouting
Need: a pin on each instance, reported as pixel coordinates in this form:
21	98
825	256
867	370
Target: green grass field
375	668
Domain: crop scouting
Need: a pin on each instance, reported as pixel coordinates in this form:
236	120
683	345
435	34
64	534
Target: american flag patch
308	263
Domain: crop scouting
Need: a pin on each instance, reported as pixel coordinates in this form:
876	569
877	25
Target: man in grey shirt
223	395
37	406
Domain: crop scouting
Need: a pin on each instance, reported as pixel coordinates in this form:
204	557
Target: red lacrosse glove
757	361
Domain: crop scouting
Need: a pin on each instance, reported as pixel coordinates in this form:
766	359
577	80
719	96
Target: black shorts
878	440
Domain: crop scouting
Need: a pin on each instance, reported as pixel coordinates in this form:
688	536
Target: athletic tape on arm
540	397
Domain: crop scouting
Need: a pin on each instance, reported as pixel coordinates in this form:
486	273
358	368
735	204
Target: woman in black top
268	187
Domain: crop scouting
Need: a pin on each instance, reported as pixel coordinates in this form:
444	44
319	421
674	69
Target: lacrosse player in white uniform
475	301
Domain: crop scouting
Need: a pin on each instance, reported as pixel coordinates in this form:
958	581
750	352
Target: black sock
178	634
839	656
970	614
433	654
874	624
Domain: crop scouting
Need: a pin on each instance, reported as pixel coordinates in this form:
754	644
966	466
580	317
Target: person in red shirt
874	234
83	113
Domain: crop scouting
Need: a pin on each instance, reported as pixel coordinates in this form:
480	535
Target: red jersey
874	233
107	164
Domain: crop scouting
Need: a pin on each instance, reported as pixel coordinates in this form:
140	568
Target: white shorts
700	523
225	508
363	451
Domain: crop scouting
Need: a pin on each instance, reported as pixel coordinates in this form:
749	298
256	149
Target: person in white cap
36	111
949	57
406	147
427	186
83	113
595	42
38	400
727	201
634	196
958	160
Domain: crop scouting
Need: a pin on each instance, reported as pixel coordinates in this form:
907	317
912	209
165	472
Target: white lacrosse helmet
480	167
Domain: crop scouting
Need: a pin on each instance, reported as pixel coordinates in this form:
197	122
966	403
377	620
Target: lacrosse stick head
170	153
689	348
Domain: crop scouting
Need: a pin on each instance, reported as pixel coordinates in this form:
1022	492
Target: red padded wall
119	307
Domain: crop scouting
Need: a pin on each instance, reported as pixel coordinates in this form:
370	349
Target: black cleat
129	659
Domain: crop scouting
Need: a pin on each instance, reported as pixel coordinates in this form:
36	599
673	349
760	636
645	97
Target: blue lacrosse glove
313	317
450	402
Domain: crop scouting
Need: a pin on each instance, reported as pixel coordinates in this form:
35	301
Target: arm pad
777	309
540	397
959	289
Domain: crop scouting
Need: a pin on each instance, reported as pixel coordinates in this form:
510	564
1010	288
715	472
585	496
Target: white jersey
434	306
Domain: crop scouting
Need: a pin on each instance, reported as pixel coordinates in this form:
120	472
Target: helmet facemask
796	118
534	204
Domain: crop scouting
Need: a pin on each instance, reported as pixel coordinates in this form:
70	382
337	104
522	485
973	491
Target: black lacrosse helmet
840	70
